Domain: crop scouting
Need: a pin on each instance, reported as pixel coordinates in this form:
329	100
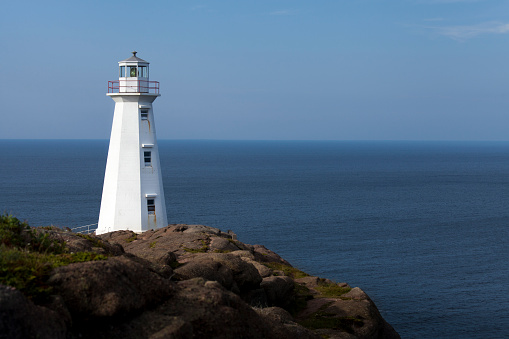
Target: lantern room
133	77
133	67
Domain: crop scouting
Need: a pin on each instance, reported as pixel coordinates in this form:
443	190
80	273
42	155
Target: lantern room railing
133	86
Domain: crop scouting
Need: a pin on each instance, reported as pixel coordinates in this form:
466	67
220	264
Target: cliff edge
181	281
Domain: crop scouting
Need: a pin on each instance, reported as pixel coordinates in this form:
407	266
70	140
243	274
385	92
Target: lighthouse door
151	209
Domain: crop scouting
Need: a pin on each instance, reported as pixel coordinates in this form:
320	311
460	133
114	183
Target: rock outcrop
185	281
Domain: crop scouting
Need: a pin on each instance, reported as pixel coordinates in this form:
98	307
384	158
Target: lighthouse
133	195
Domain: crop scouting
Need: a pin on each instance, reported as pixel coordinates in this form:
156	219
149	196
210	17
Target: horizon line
313	140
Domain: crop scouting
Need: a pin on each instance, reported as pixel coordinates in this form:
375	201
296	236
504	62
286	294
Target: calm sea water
422	227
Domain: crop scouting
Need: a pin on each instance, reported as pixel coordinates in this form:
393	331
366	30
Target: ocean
422	227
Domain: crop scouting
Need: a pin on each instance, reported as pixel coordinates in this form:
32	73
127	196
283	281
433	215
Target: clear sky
332	70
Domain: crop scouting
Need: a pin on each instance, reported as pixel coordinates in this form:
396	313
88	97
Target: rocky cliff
182	281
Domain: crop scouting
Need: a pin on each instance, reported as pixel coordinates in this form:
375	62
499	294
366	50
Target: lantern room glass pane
143	71
122	72
132	71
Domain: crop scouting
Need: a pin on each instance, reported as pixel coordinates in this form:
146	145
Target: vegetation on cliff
28	255
181	281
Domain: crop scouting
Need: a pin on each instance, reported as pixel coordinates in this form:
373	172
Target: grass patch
235	243
95	242
132	238
322	319
14	233
222	251
152	244
301	296
203	249
28	271
331	290
195	250
50	228
28	255
288	270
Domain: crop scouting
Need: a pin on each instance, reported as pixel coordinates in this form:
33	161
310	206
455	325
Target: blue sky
331	70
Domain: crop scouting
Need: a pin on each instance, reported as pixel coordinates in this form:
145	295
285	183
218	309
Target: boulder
249	257
118	237
244	254
312	282
218	244
207	269
108	288
196	229
244	274
225	314
263	270
20	318
76	242
283	326
196	309
262	254
279	290
163	270
152	251
353	315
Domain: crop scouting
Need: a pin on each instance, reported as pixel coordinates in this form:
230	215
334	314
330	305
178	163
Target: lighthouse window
144	114
143	71
122	72
148	158
132	71
151	207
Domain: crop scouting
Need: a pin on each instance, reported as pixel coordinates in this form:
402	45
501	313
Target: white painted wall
133	85
127	181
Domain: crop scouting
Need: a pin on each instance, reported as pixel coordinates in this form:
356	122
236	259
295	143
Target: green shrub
95	242
236	243
322	319
14	233
288	270
195	250
28	255
132	238
301	295
204	248
49	228
331	290
28	271
222	251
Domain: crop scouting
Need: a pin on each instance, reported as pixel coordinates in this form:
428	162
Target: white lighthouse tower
133	195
